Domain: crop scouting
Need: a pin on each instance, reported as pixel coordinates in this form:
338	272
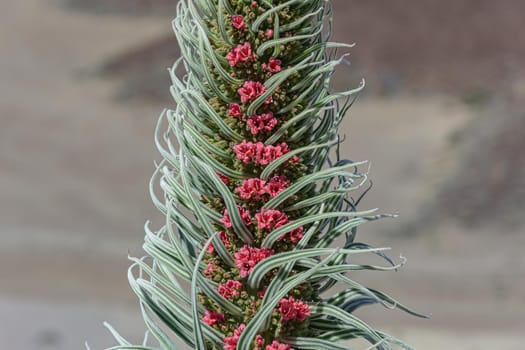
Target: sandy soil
73	183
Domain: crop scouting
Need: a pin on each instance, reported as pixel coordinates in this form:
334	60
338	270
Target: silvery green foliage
195	141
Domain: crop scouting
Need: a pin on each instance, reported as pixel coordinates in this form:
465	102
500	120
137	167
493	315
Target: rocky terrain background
442	122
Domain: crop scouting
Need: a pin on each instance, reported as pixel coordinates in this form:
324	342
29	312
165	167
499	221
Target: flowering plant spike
260	223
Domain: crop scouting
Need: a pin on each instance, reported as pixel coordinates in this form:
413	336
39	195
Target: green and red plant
259	225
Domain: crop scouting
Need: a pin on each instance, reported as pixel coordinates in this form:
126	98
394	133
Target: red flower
212	317
235	110
259	342
223	178
293	310
252	188
245	215
274	65
230	343
224	238
272	153
247	257
258	153
230	290
296	235
263	122
278	346
276	185
262	292
250	90
245	151
209	270
240	54
237	22
271	219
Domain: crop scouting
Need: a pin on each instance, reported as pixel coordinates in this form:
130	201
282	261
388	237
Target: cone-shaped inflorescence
259	221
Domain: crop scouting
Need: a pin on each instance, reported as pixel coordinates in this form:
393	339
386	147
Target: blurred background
442	122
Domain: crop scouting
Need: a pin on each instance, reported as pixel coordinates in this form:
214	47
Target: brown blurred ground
442	122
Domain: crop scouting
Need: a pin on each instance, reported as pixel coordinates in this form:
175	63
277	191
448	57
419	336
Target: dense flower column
251	156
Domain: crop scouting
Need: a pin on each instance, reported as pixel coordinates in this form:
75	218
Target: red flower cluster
259	342
223	178
224	238
293	310
278	346
295	235
212	317
276	185
275	345
258	153
271	219
235	110
209	270
230	290
230	343
237	22
241	54
273	66
256	188
263	122
250	90
245	215
247	257
252	188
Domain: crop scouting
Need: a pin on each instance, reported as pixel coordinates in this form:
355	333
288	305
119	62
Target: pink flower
259	340
262	292
273	66
276	185
230	290
223	178
263	122
250	90
271	219
212	317
210	270
247	257
258	153
245	215
224	238
230	343
278	346
272	153
269	33
245	151
296	235
240	54
235	110
293	310
226	220
252	188
237	22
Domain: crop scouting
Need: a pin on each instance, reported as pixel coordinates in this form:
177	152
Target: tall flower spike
255	194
